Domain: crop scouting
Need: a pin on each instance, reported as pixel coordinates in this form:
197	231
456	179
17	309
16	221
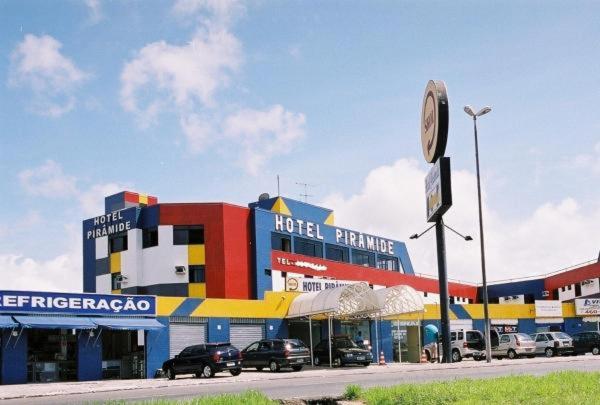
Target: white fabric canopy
399	299
352	300
511	322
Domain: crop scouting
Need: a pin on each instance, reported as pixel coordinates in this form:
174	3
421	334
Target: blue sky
203	100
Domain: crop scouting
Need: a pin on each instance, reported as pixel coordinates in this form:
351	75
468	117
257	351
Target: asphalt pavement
309	383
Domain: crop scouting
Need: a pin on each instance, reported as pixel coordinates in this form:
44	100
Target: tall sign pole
438	192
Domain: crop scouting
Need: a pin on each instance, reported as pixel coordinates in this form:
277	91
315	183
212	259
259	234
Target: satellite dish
263	197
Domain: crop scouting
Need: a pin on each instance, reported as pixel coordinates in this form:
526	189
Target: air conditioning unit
586	282
515	297
180	270
545	293
120	278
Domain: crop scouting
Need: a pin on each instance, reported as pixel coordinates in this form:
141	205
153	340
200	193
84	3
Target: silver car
513	345
553	343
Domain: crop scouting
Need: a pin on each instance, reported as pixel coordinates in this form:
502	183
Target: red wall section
226	244
571	277
345	271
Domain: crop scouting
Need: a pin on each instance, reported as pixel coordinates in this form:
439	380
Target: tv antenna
306	186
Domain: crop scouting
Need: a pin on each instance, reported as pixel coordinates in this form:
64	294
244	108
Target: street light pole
488	348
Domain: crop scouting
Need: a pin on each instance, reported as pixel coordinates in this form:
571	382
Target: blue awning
128	323
55	322
7	322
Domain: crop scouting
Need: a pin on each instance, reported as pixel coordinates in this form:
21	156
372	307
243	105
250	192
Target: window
268	272
188	235
308	247
529	299
337	253
196	273
570	287
578	290
363	258
149	237
253	347
281	242
387	262
540	338
186	352
504	339
424	293
117	243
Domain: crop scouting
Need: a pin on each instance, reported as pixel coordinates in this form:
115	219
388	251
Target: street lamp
488	349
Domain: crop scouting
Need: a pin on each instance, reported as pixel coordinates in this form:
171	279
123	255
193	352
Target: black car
343	351
584	342
204	361
275	354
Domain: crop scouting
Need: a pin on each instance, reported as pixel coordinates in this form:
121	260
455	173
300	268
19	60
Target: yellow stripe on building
115	262
196	255
165	306
275	305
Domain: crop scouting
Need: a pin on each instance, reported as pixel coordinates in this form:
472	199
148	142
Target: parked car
343	352
552	343
584	342
275	354
204	361
512	345
464	343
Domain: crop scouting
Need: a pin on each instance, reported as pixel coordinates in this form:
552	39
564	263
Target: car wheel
337	362
549	352
477	358
170	373
198	374
456	357
296	368
595	351
316	361
366	364
208	372
236	371
259	368
273	366
531	356
512	354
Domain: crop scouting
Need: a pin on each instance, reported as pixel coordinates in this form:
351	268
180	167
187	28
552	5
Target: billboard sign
587	306
434	120
438	189
548	309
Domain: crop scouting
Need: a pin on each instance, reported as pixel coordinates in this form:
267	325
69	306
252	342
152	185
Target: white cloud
222	11
91	200
264	134
590	161
48	180
392	203
37	64
94	10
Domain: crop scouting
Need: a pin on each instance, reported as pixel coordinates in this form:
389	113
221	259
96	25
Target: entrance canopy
128	323
354	300
400	299
58	322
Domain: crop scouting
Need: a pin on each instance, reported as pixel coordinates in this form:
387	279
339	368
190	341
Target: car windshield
345	343
562	335
523	336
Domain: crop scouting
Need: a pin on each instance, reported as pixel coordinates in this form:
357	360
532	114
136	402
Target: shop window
387	262
308	247
578	290
337	253
281	242
188	235
149	237
117	243
196	273
363	258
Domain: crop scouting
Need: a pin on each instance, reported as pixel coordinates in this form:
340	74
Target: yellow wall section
196	255
197	290
143	199
330	219
115	262
280	207
275	305
115	291
165	306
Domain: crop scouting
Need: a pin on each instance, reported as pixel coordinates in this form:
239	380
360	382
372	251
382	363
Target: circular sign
292	284
434	120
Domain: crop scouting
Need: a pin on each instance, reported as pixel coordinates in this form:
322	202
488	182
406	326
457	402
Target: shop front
49	337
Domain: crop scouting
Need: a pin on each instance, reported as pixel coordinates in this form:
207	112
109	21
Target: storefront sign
76	304
342	236
438	191
548	308
587	306
302	264
109	224
506	328
302	284
434	120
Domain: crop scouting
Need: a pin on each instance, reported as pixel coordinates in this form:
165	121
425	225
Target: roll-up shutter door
241	335
182	335
456	324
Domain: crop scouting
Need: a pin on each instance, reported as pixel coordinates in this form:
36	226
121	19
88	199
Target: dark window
149	237
186	352
363	258
308	247
555	294
424	293
281	242
452	300
188	235
117	243
387	262
337	253
196	273
529	299
494	300
268	272
578	290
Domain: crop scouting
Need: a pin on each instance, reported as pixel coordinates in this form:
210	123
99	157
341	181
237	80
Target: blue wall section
214	334
89	265
526	326
381	341
262	228
89	357
14	358
157	347
534	287
276	329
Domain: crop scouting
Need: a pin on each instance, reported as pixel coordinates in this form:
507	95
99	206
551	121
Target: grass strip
248	397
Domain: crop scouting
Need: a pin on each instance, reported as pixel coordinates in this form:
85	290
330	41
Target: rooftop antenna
278	193
306	186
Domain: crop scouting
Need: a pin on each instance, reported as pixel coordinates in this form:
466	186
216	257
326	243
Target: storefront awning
7	322
510	322
128	323
398	300
55	322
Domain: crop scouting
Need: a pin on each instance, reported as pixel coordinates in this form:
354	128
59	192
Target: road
311	383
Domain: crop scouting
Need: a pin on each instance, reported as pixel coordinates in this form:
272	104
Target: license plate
231	364
299	361
528	350
360	358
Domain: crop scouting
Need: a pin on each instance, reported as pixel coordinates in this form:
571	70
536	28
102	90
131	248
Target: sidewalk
68	388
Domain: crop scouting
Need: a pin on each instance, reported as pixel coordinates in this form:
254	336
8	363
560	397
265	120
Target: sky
206	100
